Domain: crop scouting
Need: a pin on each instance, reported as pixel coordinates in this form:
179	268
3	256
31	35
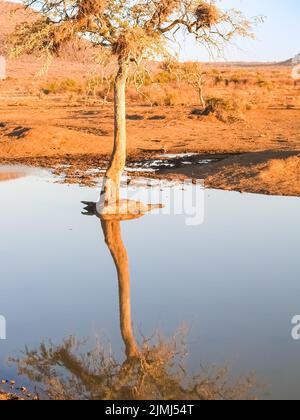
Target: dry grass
166	84
283	174
63	86
238	89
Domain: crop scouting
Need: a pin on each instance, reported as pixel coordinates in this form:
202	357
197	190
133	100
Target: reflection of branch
113	239
78	368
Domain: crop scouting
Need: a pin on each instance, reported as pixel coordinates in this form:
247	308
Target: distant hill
76	58
292	61
286	63
12	14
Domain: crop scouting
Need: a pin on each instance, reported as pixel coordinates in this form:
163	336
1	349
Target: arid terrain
259	153
78	269
63	119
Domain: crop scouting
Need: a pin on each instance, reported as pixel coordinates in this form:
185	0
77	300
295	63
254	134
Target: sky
277	39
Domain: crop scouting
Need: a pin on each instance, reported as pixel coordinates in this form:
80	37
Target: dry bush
283	172
225	110
164	95
93	86
63	86
99	87
165	77
167	85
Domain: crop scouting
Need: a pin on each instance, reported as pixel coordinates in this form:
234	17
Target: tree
133	30
196	77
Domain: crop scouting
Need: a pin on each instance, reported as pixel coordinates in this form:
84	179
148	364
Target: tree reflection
152	370
113	239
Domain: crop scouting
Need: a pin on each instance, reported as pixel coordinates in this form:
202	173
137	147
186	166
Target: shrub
63	86
170	99
164	77
225	110
263	83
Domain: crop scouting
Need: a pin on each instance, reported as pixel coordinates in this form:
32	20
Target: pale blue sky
276	39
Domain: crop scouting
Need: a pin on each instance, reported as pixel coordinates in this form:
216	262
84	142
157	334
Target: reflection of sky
233	280
276	40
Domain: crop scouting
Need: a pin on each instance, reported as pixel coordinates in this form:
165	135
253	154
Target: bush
216	104
170	99
225	110
263	83
164	77
63	86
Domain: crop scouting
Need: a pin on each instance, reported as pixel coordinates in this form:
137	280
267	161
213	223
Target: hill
76	59
11	15
291	62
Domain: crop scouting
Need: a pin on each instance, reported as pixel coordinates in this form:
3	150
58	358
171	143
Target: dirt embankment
258	154
272	172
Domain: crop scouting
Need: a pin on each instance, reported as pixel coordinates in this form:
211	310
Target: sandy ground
260	154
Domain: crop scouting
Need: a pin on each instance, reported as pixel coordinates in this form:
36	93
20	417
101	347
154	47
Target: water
167	160
234	281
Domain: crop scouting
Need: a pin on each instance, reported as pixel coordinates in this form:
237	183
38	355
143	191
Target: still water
232	281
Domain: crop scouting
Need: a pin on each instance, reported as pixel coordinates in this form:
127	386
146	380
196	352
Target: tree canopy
131	29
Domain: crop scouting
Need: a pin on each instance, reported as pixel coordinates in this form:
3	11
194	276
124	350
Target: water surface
234	281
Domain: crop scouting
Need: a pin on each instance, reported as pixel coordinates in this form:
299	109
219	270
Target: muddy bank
259	154
268	172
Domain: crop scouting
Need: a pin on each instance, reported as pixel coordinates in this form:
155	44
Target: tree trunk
111	186
201	96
